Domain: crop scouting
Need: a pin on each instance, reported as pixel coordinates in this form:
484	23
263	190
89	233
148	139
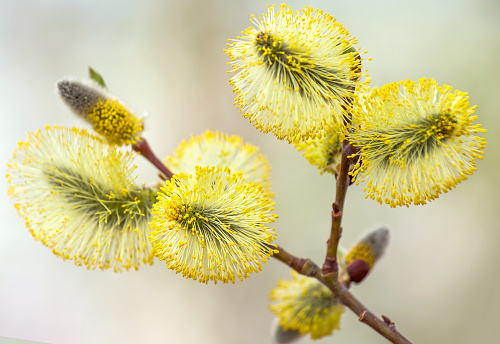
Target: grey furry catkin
79	97
282	336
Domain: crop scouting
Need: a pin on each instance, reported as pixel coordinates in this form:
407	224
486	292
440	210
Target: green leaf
96	77
350	50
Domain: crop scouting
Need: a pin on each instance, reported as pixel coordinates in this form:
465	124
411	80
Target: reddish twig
330	265
303	266
143	148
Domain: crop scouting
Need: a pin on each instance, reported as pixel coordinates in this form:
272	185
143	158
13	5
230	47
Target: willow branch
145	150
384	327
303	266
306	267
330	265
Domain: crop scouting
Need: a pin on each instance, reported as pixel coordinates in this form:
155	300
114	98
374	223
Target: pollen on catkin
212	225
77	196
416	140
296	72
370	248
221	150
325	153
305	305
106	114
360	258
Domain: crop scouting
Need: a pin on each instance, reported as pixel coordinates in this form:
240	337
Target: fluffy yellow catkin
221	150
324	153
77	196
212	225
305	305
296	72
416	140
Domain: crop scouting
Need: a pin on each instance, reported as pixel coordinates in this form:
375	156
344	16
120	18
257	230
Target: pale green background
440	278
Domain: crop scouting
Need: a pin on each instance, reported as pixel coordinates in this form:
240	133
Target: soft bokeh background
438	281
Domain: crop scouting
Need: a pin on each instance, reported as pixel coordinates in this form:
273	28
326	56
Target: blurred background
439	279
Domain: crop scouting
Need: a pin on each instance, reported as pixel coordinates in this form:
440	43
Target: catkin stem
143	148
330	265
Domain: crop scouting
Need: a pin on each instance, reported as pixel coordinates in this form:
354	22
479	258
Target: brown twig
143	148
330	265
381	326
303	266
308	268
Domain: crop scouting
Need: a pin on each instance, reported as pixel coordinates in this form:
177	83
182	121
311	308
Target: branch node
309	268
296	263
362	316
336	212
388	322
330	266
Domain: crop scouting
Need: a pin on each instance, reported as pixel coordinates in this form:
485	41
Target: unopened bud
357	270
106	114
361	258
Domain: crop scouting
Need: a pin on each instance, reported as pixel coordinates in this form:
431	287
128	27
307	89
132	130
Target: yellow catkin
296	72
76	195
305	305
325	152
363	252
212	226
113	121
416	140
221	150
108	117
